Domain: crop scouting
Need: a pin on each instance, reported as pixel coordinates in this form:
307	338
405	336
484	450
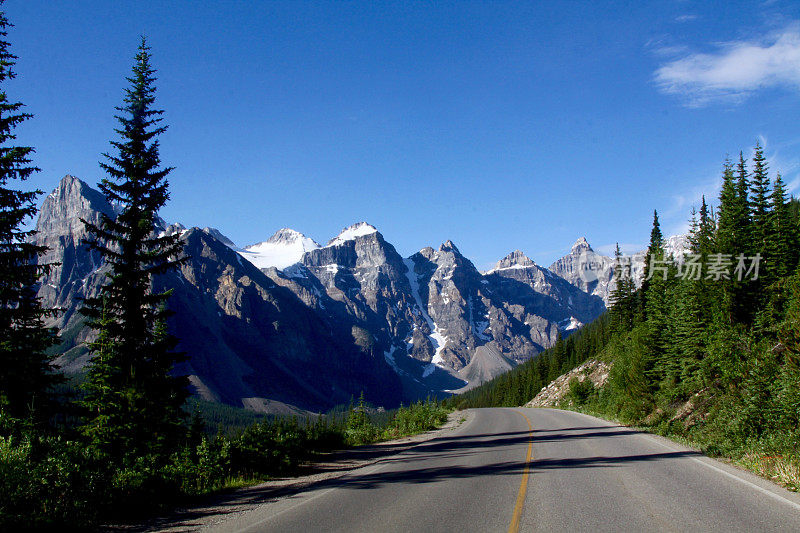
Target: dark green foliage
655	247
782	232
580	391
734	238
26	371
219	417
133	404
622	297
759	201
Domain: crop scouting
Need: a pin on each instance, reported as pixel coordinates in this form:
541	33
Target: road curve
534	470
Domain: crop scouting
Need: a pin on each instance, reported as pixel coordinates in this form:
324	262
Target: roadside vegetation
712	360
50	479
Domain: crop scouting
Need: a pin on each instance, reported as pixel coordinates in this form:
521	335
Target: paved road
535	470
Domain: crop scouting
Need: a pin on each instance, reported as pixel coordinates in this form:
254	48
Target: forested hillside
709	347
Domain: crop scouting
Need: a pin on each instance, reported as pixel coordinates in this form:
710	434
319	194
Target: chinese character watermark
718	267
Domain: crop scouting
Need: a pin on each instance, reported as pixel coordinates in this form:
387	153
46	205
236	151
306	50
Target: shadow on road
440	447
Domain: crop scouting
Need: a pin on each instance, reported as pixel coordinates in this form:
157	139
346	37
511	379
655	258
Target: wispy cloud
685	18
782	158
735	70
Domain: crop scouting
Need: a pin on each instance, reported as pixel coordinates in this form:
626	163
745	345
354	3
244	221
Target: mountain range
289	325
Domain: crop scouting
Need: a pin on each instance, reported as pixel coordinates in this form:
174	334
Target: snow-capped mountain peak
360	229
285	248
287	236
581	245
515	259
677	246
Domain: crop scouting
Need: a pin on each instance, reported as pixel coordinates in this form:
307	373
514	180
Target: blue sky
501	126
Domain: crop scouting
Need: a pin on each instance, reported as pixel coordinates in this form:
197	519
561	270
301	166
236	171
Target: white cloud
735	70
685	18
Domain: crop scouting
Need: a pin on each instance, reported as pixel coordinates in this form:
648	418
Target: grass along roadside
758	457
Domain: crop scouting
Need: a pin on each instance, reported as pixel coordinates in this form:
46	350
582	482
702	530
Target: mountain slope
288	321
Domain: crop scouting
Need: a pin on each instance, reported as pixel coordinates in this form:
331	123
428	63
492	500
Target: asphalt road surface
535	470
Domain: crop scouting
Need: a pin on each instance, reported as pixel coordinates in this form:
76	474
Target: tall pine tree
728	238
133	403
26	371
622	298
759	201
733	239
744	244
656	244
782	237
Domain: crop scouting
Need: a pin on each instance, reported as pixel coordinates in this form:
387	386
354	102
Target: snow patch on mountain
570	324
516	260
350	233
437	338
282	250
677	246
173	229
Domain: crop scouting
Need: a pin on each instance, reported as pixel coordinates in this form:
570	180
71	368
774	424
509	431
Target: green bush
580	391
48	481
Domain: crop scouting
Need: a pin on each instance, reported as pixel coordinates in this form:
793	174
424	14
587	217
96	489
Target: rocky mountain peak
350	233
289	236
175	227
581	245
217	234
449	246
72	200
428	253
515	259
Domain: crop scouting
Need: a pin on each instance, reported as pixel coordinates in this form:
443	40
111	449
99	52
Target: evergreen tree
656	244
782	237
733	240
759	204
133	404
744	244
691	309
557	357
655	292
26	371
728	238
622	300
705	230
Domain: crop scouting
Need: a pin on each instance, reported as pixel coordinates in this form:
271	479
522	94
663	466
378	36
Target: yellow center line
523	487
